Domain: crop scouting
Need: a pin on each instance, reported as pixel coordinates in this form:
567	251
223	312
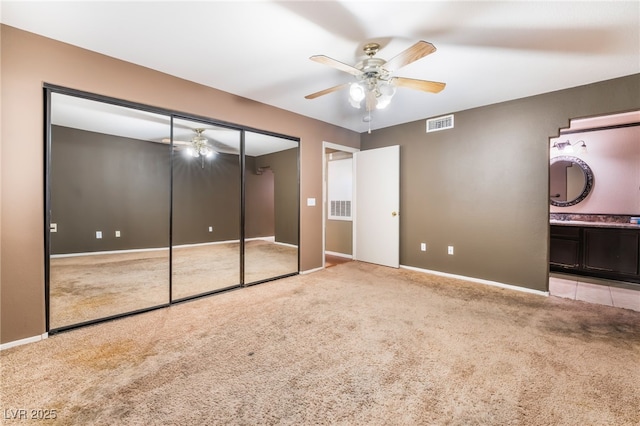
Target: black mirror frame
588	186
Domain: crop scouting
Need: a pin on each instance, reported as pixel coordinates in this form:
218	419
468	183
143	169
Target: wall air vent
340	209
440	123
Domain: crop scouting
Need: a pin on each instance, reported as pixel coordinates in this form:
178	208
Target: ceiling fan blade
424	85
322	59
415	52
326	91
175	142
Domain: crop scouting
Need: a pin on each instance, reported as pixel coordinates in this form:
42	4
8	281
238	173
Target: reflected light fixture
568	147
199	147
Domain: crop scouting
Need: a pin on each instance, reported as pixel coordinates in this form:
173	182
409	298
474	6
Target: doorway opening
337	204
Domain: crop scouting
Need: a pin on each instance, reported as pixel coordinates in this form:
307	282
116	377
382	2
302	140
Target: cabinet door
611	250
564	252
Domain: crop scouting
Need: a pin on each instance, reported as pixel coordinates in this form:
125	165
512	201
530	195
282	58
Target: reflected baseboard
271	239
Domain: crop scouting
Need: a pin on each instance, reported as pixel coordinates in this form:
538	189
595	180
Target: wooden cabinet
602	252
611	250
565	246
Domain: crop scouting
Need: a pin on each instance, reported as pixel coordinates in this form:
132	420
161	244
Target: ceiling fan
374	81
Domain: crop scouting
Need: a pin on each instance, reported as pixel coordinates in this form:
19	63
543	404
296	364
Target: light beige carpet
355	344
85	288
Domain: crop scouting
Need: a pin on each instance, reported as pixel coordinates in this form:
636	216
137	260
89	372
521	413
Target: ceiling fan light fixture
354	104
383	102
386	91
356	93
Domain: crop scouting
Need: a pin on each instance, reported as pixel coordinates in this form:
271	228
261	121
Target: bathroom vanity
598	249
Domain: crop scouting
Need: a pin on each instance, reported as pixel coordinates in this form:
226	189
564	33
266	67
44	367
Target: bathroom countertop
594	224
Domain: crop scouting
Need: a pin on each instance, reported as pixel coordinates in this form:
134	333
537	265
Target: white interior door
376	231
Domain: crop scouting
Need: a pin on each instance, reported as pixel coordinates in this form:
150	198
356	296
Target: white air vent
340	209
440	123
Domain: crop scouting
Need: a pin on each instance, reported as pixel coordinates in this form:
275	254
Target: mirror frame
588	176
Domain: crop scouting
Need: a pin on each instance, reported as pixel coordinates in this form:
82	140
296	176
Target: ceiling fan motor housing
373	68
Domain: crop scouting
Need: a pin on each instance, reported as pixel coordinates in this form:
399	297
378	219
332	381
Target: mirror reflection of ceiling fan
198	146
375	83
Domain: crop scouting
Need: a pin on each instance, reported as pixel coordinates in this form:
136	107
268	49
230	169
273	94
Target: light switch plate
311	202
117	234
98	234
423	246
450	250
53	227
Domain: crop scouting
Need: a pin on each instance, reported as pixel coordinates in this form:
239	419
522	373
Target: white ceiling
488	52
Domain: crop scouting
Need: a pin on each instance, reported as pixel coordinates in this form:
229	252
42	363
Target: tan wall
339	236
483	186
28	61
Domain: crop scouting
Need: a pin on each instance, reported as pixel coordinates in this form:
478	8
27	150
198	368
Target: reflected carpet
84	288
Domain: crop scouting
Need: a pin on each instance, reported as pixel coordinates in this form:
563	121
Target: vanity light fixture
568	147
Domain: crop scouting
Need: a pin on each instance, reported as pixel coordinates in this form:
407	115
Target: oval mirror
570	180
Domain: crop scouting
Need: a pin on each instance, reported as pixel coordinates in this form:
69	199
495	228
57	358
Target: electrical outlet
98	234
117	234
211	229
450	250
423	246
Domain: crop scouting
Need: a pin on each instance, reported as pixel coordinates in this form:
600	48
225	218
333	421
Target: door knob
394	214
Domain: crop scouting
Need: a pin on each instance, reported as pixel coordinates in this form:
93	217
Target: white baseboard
23	341
271	239
285	244
96	253
309	271
478	280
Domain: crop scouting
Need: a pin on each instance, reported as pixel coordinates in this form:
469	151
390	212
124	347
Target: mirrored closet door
206	208
271	207
109	189
148	207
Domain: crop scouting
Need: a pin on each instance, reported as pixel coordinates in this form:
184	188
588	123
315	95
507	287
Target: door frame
337	147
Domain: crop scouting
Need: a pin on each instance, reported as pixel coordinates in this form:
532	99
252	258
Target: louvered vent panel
440	123
340	208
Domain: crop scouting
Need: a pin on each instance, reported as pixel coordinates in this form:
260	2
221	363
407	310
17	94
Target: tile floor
579	288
